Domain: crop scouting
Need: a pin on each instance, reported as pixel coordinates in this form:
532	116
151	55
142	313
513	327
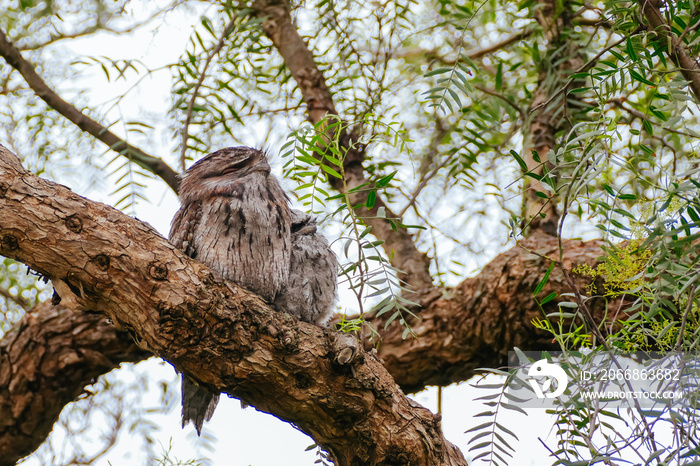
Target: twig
437	137
583	68
636	113
19	300
522	113
98	26
195	91
155	165
684	319
478	53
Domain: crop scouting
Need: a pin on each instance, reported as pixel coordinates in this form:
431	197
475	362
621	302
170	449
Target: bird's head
302	223
222	168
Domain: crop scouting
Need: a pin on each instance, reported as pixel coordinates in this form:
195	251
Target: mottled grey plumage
312	286
234	218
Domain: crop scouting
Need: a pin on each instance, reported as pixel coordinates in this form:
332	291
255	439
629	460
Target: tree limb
157	166
222	336
475	324
689	67
45	363
278	26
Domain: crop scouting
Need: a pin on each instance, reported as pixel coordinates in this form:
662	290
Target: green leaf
519	159
548	298
331	172
544	280
371	199
437	71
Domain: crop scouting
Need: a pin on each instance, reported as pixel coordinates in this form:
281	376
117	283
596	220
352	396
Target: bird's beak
262	167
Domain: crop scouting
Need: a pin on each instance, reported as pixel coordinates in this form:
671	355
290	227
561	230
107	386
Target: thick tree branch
158	167
676	50
45	363
296	54
459	332
222	336
484	317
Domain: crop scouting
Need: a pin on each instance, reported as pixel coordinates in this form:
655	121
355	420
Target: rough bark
460	331
278	26
45	363
549	108
689	67
476	323
222	336
14	58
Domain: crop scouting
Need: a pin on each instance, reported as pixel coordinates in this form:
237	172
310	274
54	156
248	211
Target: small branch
158	167
583	68
637	114
593	23
436	139
478	53
18	300
684	319
195	91
472	54
98	26
520	111
688	66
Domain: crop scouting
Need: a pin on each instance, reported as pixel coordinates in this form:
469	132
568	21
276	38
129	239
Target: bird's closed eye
235	166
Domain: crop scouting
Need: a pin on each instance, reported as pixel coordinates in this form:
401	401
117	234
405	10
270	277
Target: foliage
368	273
446	129
620	271
628	164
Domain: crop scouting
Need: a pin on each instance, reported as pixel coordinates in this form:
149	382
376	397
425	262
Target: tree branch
45	363
481	319
278	26
158	167
222	336
676	51
478	53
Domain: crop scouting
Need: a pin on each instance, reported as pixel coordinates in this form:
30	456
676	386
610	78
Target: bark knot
303	380
169	313
9	243
158	271
102	261
221	332
74	224
289	340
